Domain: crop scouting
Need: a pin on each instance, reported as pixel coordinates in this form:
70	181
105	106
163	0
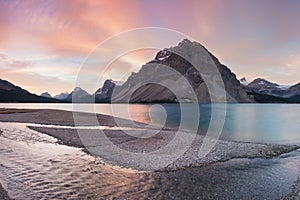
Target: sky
44	43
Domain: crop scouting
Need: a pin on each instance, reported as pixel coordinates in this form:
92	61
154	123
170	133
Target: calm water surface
268	123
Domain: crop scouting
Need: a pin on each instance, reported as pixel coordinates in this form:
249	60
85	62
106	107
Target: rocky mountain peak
46	94
79	95
104	94
265	87
147	83
62	95
77	89
261	81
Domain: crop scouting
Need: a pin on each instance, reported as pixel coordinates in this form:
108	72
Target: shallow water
33	166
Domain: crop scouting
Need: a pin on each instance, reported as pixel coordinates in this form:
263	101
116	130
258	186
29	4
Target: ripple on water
33	166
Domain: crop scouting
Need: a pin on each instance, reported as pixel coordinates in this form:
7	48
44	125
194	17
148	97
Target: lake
265	123
29	167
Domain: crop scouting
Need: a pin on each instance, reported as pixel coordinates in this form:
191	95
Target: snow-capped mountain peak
118	83
162	55
283	87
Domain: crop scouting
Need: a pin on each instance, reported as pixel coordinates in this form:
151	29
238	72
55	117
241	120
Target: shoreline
222	152
295	193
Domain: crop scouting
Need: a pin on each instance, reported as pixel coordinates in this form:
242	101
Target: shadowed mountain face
171	77
13	94
103	95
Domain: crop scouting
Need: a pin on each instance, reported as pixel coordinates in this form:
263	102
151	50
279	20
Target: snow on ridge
164	57
283	87
118	83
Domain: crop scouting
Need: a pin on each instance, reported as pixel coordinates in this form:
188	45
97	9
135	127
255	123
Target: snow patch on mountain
243	81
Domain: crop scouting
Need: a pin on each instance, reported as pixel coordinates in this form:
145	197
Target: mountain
10	93
79	95
262	86
61	96
157	83
243	81
294	90
264	91
46	94
103	95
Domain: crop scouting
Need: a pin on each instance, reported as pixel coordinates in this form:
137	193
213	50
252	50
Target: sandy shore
222	151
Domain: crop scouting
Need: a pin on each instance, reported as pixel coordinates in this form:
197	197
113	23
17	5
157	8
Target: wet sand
223	151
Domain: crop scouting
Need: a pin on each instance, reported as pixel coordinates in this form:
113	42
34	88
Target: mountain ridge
175	59
10	93
183	82
265	87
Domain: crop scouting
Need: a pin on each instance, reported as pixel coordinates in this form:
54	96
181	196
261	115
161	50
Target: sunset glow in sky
44	42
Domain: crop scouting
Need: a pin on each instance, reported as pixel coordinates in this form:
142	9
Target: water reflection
268	123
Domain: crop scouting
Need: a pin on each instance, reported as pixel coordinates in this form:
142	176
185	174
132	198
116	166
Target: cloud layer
47	40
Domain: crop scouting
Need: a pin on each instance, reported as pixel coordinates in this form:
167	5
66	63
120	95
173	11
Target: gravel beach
3	194
222	151
295	194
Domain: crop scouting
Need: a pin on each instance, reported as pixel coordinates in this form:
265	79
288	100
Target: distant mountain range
78	95
14	94
144	86
264	91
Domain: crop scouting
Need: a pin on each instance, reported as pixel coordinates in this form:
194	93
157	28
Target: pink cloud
8	63
248	36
